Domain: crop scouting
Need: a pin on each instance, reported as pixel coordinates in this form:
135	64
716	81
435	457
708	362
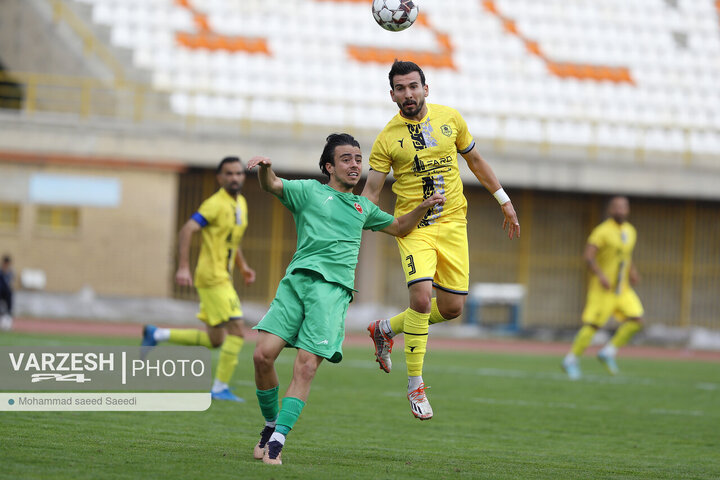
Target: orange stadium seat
642	66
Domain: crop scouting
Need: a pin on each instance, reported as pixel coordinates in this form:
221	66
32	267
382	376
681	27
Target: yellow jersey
615	245
423	158
223	220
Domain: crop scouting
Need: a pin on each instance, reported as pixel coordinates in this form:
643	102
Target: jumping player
420	144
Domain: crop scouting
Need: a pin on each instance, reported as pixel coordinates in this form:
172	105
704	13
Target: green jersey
329	227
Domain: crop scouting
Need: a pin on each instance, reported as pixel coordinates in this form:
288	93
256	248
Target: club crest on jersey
446	130
358	207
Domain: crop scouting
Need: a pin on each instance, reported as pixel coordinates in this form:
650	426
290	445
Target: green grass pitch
496	417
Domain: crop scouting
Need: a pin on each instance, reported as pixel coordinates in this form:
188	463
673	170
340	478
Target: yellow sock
228	357
416	337
435	316
625	332
189	336
397	323
583	339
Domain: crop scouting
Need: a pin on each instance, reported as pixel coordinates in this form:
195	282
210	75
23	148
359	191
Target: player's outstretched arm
183	275
373	186
403	225
482	170
268	180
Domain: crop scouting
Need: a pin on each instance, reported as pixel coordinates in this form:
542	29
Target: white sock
161	334
277	437
385	328
270	424
414	382
219	386
570	358
609	349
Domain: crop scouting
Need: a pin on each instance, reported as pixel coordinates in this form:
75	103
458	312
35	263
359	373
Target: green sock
269	405
289	413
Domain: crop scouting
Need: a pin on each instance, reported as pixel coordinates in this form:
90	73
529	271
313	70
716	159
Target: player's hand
436	199
604	281
510	224
183	277
255	161
634	277
248	275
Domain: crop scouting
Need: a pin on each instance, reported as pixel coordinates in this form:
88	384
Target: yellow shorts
602	304
438	252
219	304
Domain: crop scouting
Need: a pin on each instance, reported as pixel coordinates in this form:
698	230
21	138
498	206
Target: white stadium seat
497	83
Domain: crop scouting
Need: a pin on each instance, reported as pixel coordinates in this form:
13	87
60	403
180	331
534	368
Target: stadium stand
580	74
570	101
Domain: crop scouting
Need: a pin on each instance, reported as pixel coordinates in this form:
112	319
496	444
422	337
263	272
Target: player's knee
262	360
306	369
421	304
450	312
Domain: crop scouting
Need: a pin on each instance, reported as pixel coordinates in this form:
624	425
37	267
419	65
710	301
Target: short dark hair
227	160
403	68
6	259
334	140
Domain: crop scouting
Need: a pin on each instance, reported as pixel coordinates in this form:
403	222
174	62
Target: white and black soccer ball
395	15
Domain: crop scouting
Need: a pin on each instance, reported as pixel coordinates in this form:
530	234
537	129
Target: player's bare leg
304	369
446	306
266	352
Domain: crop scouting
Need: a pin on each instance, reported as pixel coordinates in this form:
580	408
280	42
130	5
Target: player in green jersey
311	302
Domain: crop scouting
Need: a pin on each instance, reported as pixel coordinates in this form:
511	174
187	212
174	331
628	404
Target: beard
233	188
411	110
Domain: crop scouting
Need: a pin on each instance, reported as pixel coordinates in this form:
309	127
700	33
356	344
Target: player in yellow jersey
608	255
222	220
420	145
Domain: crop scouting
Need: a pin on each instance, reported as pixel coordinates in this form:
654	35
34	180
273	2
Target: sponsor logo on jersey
358	207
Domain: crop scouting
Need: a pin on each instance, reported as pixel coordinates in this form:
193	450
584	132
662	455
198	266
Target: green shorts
308	312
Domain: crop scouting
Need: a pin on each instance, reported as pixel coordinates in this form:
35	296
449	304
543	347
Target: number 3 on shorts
410	264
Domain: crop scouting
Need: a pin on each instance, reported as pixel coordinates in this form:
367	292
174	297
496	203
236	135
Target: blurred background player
7	277
222	219
608	255
420	144
311	302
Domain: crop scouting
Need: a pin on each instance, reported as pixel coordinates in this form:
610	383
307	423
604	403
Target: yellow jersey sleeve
208	212
597	236
380	159
464	141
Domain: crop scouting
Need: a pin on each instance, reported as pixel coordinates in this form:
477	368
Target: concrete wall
122	250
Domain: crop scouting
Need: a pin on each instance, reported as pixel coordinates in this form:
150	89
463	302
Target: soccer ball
395	15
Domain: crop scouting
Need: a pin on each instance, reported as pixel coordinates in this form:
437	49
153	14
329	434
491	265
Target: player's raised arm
268	180
403	225
482	170
374	185
183	275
